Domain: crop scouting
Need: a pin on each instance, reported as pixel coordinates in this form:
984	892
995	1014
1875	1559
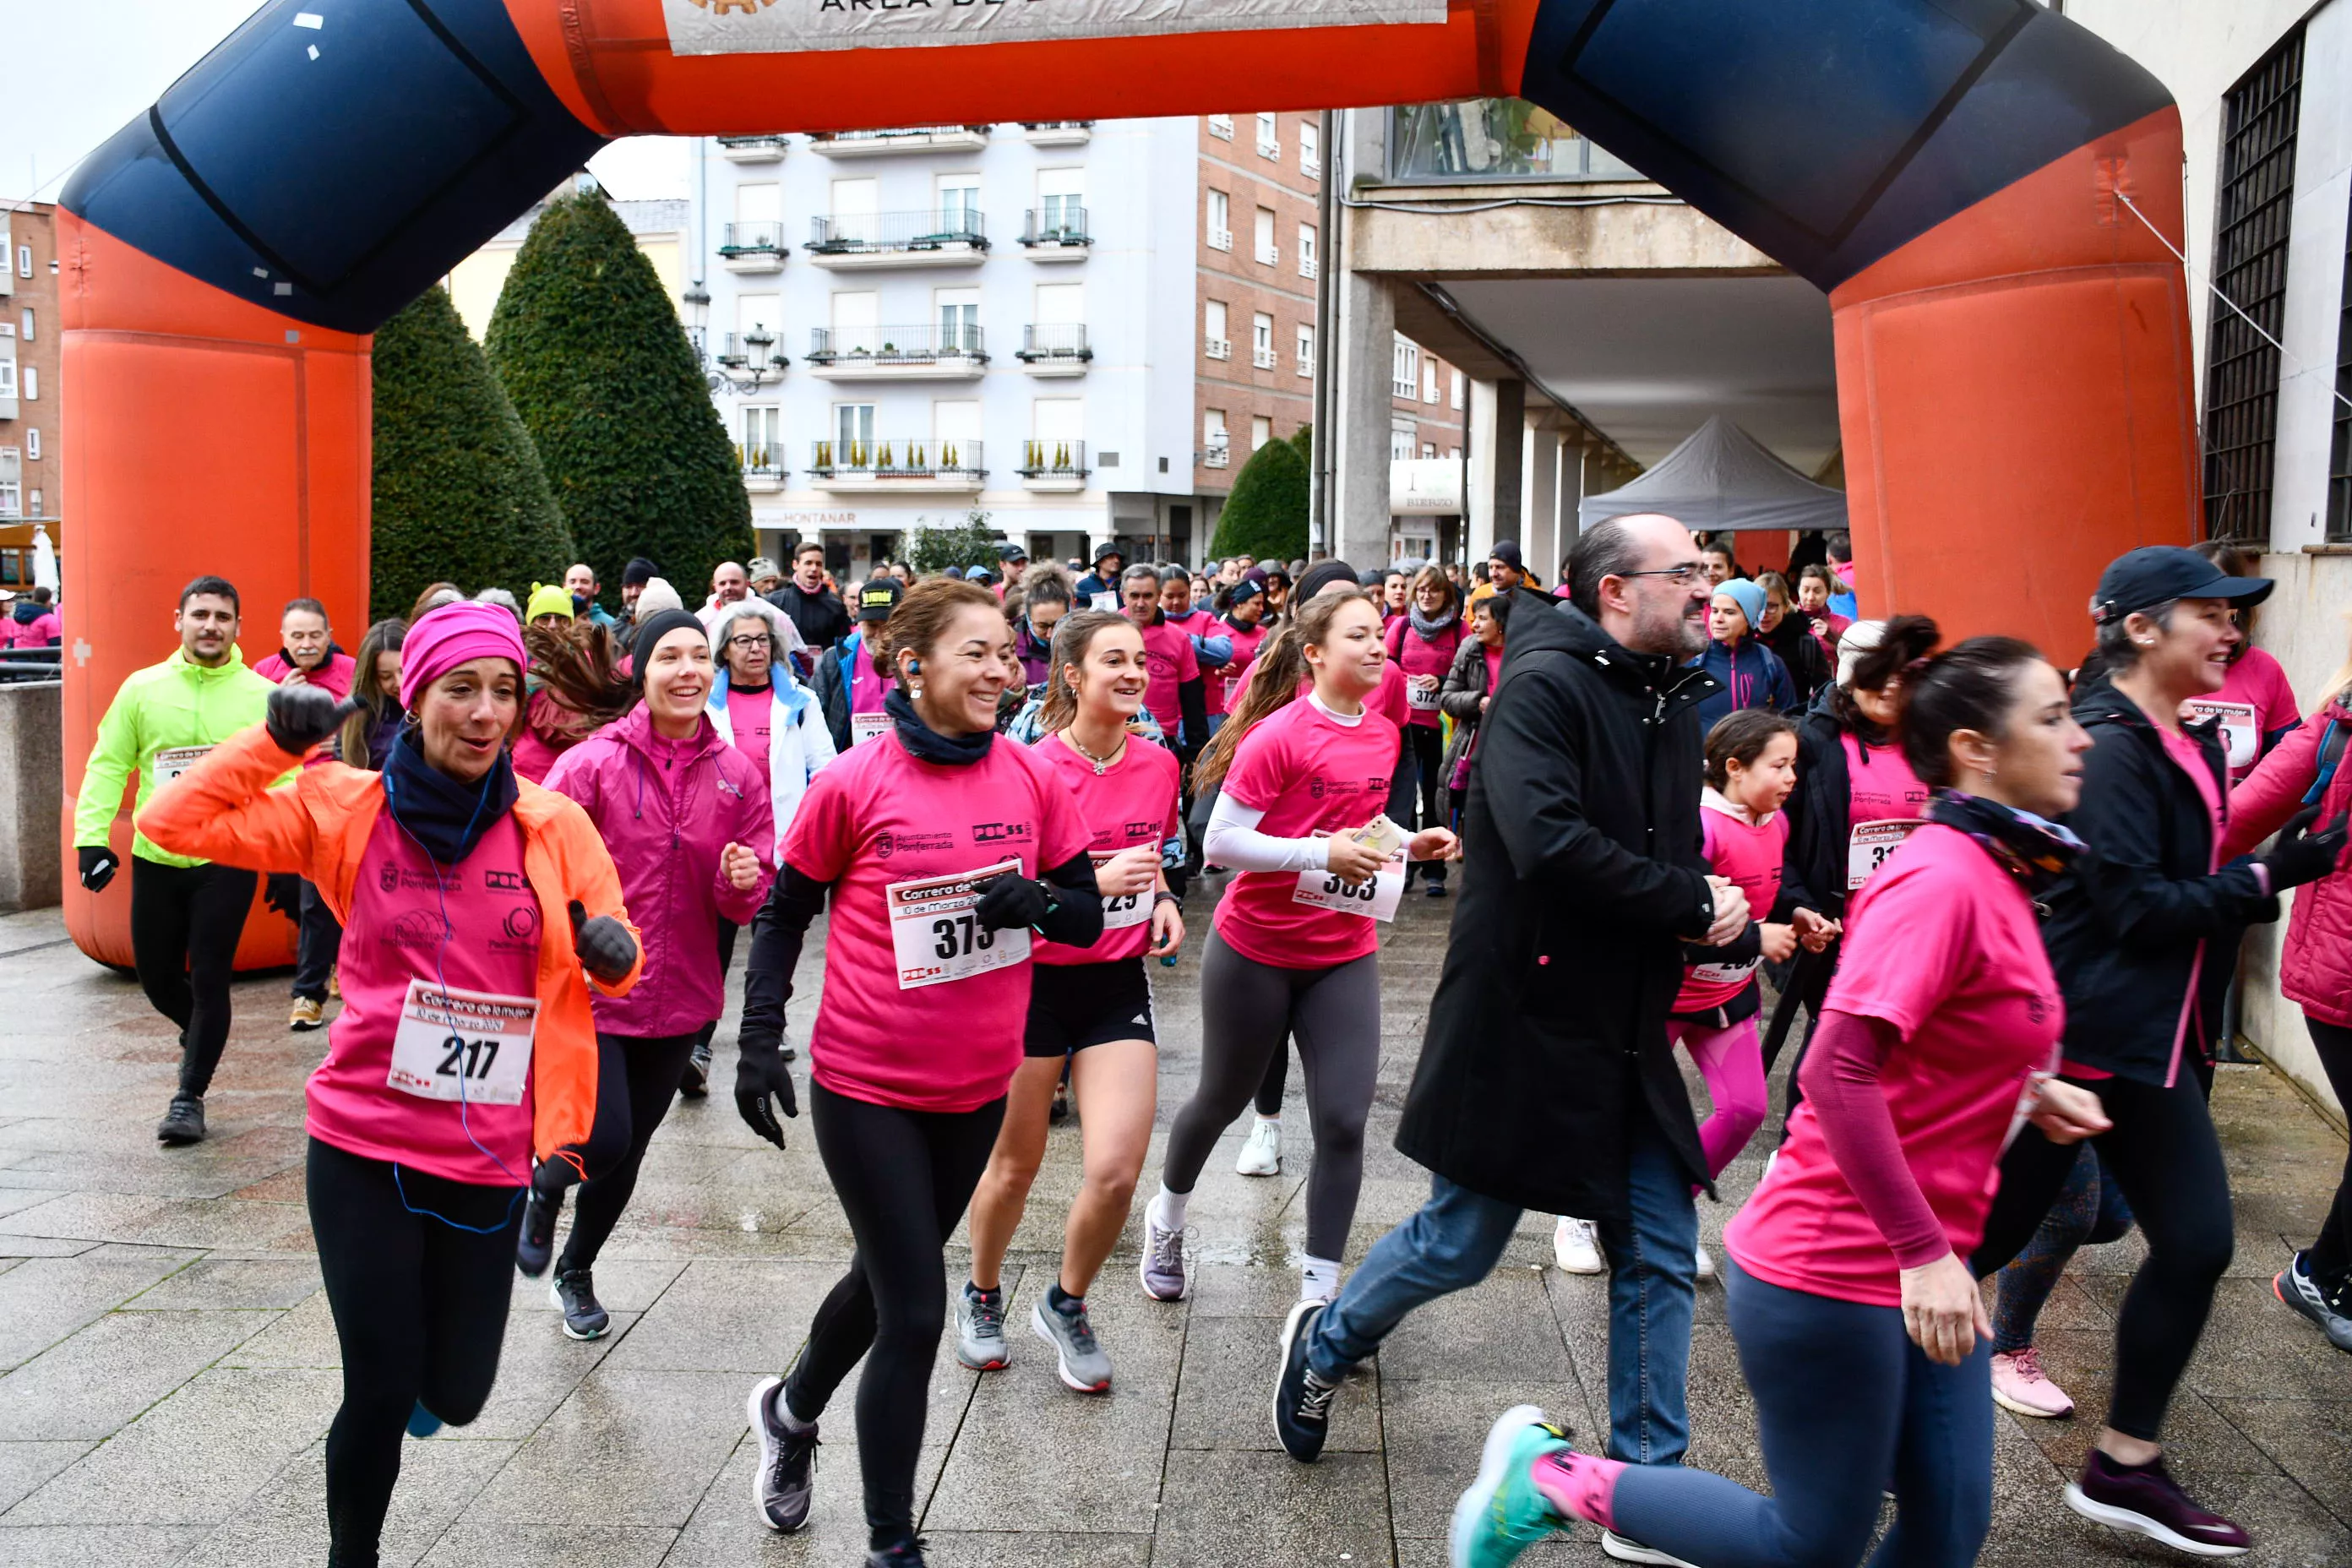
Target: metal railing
1491	139
893	133
751	239
1307	266
740	349
1053	459
1058	225
754	143
878	233
930	459
1049	340
895	345
1057	125
761	462
1263	358
29	664
1220	240
1218	348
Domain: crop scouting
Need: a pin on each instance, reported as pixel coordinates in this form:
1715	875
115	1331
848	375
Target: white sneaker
1576	1247
1705	1269
1261	1154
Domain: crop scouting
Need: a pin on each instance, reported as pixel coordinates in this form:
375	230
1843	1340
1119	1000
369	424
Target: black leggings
2331	1255
1246	1008
903	1178
636	1076
1425	750
184	925
420	1309
2164	1153
728	931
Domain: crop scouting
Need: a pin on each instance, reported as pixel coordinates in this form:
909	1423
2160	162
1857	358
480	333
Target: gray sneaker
2330	1309
1163	1261
1083	1364
782	1486
980	1329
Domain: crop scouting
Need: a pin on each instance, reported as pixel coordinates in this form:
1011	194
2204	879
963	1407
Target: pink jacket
666	809
2315	959
334	676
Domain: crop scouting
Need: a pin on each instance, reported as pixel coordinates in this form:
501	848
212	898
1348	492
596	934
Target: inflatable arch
2013	353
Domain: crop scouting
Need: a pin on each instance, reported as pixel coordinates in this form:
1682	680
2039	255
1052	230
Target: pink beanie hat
453	635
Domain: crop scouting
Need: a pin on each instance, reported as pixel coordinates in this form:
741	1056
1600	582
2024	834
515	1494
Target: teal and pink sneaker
1503	1514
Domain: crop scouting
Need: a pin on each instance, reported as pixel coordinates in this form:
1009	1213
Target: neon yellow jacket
162	708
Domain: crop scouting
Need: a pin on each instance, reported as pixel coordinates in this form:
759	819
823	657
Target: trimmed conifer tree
588	345
1266	516
459	492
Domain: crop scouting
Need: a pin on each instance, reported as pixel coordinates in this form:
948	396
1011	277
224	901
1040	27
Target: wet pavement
168	1365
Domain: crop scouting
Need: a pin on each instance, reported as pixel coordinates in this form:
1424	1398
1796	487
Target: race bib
1870	845
1421	698
2242	735
174	761
1122	909
1723	974
935	936
1233	689
864	727
463	1045
1375	900
1103	601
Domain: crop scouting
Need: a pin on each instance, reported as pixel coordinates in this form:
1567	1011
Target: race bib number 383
473	1045
935	936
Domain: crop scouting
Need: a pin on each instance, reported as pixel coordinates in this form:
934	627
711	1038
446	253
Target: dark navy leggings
1895	1420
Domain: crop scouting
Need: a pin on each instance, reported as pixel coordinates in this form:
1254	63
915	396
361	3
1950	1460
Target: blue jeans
1454	1241
1845	1406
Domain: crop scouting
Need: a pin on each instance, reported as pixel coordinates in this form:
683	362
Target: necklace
1070	739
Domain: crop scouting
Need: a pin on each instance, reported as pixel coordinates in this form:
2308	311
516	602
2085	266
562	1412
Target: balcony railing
1492	139
1220	240
899	139
1307	266
1263	358
1058	133
1269	256
752	149
895	345
1046	341
751	239
1219	455
883	460
763	461
1222	126
874	234
1053	459
1058	225
1310	165
738	350
1269	149
1217	348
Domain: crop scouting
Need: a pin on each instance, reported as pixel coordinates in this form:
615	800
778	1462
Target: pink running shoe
2022	1388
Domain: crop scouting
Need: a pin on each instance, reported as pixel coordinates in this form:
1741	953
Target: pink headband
453	635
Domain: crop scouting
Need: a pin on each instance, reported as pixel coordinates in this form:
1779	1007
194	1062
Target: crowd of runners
1996	897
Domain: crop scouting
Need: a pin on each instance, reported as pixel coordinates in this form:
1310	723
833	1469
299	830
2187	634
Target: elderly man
1582	837
766	576
729	584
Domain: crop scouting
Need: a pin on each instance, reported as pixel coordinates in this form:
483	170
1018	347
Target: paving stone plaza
170	1365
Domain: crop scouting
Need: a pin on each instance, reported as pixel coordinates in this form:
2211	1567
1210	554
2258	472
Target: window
1261	430
27	331
857	322
761	202
1401	441
1306	250
2339	466
960	203
9	376
1310	150
1307	351
1428	450
763	447
1267	255
32	445
956	419
1061	201
1214	341
1262	341
1220	221
1218	452
1404	369
959	313
12	495
856	201
1429	380
24	261
1222	126
31	378
853	430
1457	389
2250	259
1269	140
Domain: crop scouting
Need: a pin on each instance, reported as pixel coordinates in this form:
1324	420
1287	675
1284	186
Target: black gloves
283	892
757	1074
98	865
302	716
606	949
2301	856
1012	902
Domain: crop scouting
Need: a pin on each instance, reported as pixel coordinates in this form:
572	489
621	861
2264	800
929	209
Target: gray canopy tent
1721	478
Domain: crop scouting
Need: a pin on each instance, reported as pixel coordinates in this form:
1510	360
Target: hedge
1266	516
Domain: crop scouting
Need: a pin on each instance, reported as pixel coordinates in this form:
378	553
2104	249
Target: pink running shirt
1133	802
1749	854
1234	676
2256	701
1168	661
749	715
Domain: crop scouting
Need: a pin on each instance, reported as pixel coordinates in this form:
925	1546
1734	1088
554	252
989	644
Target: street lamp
752	360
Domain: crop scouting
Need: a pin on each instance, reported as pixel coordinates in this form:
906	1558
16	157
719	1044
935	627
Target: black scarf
2035	852
444	817
926	745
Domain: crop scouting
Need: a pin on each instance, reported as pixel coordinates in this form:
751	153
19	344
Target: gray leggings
1246	1009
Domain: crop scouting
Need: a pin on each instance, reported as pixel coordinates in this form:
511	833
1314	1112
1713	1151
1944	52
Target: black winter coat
821	618
2129	919
1547	1033
830	681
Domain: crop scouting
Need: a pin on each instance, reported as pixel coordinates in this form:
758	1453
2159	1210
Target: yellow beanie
548	599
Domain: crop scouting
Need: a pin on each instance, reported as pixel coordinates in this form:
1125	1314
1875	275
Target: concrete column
1498	414
1365	319
1542	545
32	795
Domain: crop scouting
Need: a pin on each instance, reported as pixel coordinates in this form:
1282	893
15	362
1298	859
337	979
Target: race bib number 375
935	937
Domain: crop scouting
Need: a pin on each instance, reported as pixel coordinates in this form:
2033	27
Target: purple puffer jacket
2315	959
666	809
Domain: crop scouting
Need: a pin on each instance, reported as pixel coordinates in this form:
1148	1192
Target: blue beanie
1749	597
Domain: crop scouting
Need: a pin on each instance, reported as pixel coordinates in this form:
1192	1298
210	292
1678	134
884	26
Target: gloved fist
301	716
98	865
757	1074
282	891
606	949
1010	903
2300	854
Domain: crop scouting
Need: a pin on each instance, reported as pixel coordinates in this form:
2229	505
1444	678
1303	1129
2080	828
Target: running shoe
980	1329
1625	1549
307	1014
584	1317
1436	889
1702	1263
1162	1267
2330	1309
2020	1387
1083	1366
535	1243
184	1123
906	1554
2144	1499
1576	1247
695	1081
1262	1152
1302	1401
422	1423
787	1472
1503	1514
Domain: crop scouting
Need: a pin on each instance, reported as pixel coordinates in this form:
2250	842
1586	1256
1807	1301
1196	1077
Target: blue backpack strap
2331	757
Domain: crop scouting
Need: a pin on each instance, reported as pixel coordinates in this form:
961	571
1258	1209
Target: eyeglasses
747	644
1682	576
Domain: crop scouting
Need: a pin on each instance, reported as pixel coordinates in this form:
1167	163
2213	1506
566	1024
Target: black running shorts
1073	1005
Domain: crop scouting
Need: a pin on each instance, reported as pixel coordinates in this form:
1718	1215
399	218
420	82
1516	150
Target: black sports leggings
2331	1255
1424	747
627	1113
2163	1153
1246	1008
184	925
903	1178
420	1309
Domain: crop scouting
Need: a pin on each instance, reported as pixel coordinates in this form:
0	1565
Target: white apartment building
903	326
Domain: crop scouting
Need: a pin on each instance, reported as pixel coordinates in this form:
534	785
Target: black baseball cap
1011	553
2158	573
878	597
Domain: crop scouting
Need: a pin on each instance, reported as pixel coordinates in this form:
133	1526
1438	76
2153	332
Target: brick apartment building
29	465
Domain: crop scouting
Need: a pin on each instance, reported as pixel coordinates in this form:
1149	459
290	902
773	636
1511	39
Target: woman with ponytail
576	688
